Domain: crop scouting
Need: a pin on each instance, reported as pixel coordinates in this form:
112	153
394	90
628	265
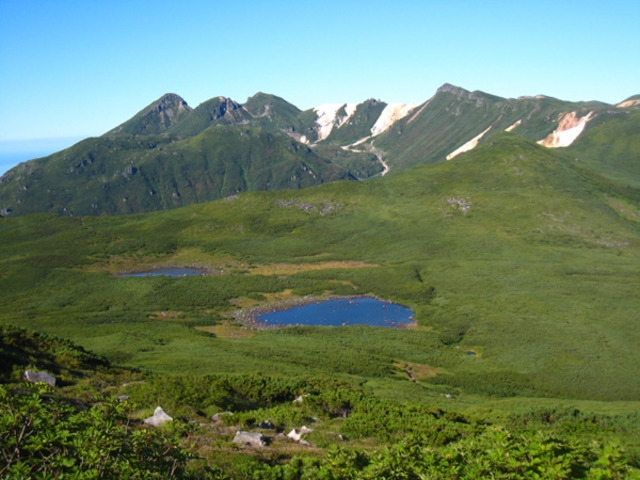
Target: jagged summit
222	110
155	118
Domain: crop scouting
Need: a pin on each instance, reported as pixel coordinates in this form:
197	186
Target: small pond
341	312
169	272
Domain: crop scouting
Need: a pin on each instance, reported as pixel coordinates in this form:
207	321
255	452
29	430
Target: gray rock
266	425
250	439
218	416
39	377
159	418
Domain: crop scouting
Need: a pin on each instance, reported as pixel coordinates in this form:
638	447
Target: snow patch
517	124
569	128
356	143
470	145
628	103
390	115
327	117
349	108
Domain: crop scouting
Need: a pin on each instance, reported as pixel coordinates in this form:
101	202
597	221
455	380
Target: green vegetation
169	155
52	433
454	116
128	174
612	147
359	124
156	118
517	254
507	251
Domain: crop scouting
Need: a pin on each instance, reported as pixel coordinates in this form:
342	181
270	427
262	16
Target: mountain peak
155	118
171	99
450	88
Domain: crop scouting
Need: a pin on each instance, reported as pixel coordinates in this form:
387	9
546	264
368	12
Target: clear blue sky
79	68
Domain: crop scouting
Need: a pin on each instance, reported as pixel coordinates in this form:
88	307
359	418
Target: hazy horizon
14	152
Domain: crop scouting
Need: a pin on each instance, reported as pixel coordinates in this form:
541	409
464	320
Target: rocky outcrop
40	377
250	439
158	419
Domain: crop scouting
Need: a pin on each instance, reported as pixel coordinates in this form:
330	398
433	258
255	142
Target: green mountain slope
157	159
612	147
127	174
359	125
506	251
156	118
454	116
216	111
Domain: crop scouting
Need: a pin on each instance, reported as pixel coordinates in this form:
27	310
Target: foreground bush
42	436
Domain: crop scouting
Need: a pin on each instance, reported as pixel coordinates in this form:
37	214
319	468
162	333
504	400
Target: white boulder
40	377
296	433
250	439
159	418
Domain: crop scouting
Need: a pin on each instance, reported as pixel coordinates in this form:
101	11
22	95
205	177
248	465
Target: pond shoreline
249	317
151	272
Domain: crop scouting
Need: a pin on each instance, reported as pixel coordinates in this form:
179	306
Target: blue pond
169	272
339	312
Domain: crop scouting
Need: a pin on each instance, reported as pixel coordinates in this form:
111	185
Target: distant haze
13	152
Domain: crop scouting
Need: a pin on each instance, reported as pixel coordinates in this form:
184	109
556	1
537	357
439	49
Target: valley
520	263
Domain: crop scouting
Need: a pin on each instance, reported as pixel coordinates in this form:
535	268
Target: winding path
386	167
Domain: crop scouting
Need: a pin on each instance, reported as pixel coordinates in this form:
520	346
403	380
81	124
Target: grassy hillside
611	147
506	251
511	251
454	116
92	425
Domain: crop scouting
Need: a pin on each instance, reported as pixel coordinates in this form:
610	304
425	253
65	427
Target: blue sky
71	69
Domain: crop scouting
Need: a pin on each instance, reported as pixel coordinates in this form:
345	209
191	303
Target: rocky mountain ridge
169	154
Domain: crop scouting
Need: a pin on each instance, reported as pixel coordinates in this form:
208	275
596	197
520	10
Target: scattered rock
250	439
296	433
159	418
39	377
218	416
457	203
266	425
300	398
122	398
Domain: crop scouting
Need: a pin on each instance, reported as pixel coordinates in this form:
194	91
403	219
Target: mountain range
510	227
170	155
